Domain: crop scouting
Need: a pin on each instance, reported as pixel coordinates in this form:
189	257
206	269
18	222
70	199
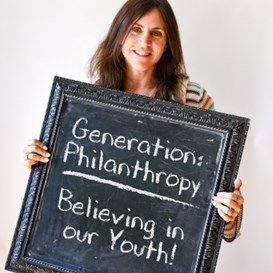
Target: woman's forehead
153	18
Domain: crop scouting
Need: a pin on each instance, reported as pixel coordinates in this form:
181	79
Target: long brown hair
108	64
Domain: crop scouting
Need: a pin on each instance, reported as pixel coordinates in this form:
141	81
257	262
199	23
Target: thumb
238	184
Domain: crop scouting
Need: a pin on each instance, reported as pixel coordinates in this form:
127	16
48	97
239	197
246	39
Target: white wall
228	49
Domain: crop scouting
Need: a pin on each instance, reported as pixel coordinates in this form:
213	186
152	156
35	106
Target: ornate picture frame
129	185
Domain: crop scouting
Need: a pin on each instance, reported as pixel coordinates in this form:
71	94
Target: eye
157	33
136	29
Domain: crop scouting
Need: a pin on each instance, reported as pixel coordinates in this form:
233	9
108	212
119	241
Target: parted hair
107	66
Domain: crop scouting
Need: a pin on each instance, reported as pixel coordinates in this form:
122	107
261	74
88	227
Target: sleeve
197	96
232	229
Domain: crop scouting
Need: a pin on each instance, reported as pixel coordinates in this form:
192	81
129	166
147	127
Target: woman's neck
140	84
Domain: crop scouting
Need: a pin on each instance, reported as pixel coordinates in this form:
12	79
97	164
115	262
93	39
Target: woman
142	54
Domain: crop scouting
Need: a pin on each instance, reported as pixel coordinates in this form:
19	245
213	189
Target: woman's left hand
229	204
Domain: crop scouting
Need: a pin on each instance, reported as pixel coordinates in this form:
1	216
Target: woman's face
145	42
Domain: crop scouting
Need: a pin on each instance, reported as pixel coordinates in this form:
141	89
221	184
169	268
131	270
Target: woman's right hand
35	151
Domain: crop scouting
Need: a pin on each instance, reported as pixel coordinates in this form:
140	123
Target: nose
145	38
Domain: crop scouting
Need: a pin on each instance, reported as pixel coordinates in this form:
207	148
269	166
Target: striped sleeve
197	96
232	229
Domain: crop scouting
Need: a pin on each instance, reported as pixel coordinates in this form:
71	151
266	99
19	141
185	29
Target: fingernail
46	159
47	154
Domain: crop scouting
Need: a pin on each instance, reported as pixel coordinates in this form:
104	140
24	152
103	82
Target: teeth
141	53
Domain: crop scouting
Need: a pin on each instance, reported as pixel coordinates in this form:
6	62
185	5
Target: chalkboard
128	187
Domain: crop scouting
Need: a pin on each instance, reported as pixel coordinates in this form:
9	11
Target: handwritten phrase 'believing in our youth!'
91	156
118	240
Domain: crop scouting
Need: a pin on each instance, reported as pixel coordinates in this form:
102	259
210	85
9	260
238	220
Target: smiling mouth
142	54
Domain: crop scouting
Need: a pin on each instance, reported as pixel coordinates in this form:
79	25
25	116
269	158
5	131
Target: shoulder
197	96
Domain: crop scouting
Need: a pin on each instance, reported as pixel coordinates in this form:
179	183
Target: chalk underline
125	187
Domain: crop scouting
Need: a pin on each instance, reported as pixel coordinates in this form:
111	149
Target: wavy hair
107	65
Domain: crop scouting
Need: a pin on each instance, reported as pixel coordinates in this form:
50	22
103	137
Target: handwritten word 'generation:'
154	149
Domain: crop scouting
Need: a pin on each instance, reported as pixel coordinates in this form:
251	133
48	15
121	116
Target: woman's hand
35	152
229	204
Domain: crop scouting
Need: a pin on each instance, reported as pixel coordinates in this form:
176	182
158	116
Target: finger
237	197
37	158
37	147
225	209
34	152
238	184
228	197
226	205
225	200
36	142
228	214
29	163
225	216
32	159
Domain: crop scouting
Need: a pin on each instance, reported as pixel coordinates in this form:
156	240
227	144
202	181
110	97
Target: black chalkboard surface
129	185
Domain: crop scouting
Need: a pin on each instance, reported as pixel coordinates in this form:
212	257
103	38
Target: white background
228	49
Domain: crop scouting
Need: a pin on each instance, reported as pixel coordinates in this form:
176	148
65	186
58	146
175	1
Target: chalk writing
95	159
71	233
127	246
125	187
90	208
91	149
141	146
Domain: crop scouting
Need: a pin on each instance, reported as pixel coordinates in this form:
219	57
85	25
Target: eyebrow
155	28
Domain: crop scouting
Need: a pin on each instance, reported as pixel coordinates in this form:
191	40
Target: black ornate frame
236	128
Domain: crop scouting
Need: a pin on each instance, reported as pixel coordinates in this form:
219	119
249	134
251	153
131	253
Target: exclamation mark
173	253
